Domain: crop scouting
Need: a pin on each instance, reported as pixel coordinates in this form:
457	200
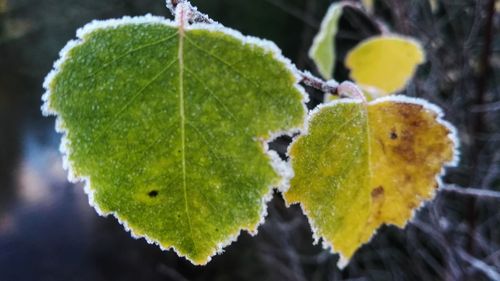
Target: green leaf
323	49
363	165
168	124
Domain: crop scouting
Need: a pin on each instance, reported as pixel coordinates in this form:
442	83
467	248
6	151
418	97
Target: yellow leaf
434	5
383	65
3	6
368	4
362	165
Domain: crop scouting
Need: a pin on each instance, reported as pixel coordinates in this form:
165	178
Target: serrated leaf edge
343	261
281	167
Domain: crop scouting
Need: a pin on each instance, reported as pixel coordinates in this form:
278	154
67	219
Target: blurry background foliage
49	232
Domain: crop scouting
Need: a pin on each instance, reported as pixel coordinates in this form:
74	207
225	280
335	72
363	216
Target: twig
478	264
310	80
475	192
486	107
294	12
478	120
194	16
345	89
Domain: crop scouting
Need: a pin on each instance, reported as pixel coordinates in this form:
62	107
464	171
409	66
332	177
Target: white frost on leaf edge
169	5
281	167
323	34
343	261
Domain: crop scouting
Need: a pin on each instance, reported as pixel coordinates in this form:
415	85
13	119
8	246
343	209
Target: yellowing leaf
3	6
363	165
323	49
167	124
383	65
368	4
434	5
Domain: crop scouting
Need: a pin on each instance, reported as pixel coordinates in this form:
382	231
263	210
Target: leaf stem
348	89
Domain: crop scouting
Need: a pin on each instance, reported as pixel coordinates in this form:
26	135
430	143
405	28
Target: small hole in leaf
153	193
393	135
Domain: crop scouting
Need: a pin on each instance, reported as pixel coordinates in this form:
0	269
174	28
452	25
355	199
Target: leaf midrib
182	118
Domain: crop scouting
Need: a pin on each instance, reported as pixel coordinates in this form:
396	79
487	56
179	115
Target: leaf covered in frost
363	165
168	123
369	4
323	49
383	65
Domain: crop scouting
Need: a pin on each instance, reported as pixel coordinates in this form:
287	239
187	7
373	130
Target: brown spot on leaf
408	178
409	111
411	205
406	147
377	192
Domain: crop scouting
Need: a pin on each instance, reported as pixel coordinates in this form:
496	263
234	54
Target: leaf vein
183	121
129	52
115	118
211	93
230	66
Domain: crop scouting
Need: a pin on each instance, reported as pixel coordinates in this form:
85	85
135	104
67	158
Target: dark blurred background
49	232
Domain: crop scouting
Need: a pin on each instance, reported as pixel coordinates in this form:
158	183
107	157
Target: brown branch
312	81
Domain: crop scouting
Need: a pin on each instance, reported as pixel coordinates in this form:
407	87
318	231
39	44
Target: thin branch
486	107
194	16
308	79
478	264
294	12
475	192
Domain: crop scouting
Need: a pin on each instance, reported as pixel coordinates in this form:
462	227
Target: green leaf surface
323	49
168	126
362	165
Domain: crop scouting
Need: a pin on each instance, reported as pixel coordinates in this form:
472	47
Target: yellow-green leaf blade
166	125
322	51
383	65
369	4
364	165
